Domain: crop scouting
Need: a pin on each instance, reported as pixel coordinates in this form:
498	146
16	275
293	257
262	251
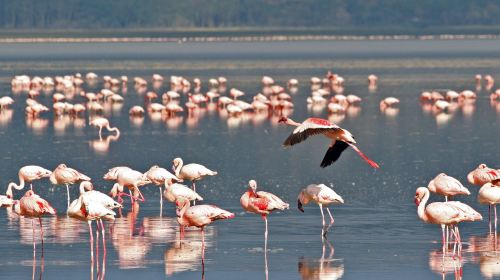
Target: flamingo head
252	185
283	120
176	162
482	166
419	195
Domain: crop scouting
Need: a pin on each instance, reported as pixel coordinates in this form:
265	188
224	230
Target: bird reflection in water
324	268
38	125
101	146
446	263
6	117
487	247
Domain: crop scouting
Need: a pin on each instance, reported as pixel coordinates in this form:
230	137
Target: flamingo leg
131	197
489	217
443	238
265	251
142	199
100	132
103	229
323	233
194	189
34	242
161	201
67	192
265	233
91	242
97	245
331	219
495	208
31	186
41	232
203	249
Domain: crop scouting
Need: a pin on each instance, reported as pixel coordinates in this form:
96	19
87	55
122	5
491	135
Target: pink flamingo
341	138
33	206
64	175
174	192
200	216
132	179
159	176
321	195
192	172
447	186
28	174
490	194
7	200
262	203
448	213
482	175
103	122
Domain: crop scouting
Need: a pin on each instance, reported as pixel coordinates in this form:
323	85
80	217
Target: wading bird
341	138
104	123
28	174
447	186
192	172
64	175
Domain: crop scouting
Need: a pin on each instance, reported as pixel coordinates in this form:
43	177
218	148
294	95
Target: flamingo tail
369	161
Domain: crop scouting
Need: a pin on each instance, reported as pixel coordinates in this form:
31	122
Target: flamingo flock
275	101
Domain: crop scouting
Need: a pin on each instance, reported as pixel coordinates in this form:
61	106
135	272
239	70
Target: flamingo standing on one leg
28	174
33	206
447	186
192	172
341	138
482	175
174	192
104	123
490	194
200	216
159	176
64	175
321	195
448	213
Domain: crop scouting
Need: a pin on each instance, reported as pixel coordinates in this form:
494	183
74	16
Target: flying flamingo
448	213
490	194
103	122
64	175
28	174
200	216
447	186
158	176
192	172
341	138
262	203
33	206
92	206
321	195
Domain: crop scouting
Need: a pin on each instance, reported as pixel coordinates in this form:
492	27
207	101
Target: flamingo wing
274	201
333	153
311	126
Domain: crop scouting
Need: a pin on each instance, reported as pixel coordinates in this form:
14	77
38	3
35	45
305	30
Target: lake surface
376	235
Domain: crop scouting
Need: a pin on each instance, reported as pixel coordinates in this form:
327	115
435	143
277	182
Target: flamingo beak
417	201
299	205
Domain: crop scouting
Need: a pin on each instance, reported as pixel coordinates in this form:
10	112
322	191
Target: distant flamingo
448	213
341	138
103	122
64	175
192	172
321	195
490	194
447	186
200	216
262	203
159	176
33	206
28	174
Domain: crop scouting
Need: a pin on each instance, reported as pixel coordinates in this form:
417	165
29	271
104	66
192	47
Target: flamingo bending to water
341	138
262	203
64	175
321	195
192	172
28	174
104	123
33	206
448	213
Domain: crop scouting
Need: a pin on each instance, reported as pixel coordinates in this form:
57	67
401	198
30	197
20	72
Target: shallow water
376	234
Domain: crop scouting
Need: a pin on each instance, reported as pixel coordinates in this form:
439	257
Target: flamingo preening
341	138
33	206
448	213
192	172
28	174
321	195
64	175
104	123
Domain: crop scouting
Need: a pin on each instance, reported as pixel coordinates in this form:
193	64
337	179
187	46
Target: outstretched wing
311	126
334	153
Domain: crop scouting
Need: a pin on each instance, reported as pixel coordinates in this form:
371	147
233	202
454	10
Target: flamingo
64	175
159	176
482	175
192	172
447	186
490	194
262	203
7	200
322	195
30	173
92	206
448	213
341	138
33	206
103	122
200	216
174	192
132	179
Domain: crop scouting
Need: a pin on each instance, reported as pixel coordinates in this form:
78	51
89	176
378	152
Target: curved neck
17	187
421	207
177	170
85	186
292	122
115	129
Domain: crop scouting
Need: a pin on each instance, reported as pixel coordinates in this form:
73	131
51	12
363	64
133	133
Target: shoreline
270	38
